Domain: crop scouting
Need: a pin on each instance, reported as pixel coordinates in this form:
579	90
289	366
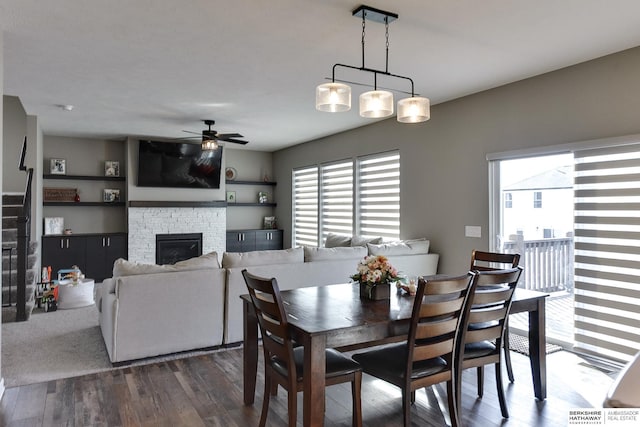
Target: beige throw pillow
402	247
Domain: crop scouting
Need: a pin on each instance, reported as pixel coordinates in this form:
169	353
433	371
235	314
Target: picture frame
111	168
269	223
110	195
53	225
231	197
263	197
58	167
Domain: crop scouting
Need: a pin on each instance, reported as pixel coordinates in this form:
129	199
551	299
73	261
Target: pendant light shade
209	144
333	97
413	110
376	104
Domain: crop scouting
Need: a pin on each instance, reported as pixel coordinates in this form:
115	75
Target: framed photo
110	195
58	167
270	223
263	197
111	168
231	196
53	225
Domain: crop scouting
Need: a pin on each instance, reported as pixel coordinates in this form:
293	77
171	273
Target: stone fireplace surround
148	218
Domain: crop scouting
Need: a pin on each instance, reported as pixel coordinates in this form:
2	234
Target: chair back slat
484	315
484	334
487	261
435	328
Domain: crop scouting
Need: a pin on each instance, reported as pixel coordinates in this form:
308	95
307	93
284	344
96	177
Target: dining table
335	316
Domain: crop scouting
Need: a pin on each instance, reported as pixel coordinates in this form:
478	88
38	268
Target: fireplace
171	248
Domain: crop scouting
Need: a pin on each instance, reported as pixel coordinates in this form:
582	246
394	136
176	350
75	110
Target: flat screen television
181	165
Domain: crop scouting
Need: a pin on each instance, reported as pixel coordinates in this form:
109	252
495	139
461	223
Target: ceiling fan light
376	104
333	97
414	110
209	144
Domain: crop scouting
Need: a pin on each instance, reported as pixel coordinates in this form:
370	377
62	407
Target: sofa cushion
331	254
123	267
364	241
249	259
402	247
337	241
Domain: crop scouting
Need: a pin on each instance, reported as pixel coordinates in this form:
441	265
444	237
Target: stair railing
24	237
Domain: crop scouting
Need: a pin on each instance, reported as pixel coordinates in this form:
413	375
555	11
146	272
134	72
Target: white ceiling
155	67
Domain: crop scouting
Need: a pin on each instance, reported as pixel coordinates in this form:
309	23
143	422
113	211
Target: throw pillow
333	254
122	267
402	247
202	262
363	241
252	259
337	241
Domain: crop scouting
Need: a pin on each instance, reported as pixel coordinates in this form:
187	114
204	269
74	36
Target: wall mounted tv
182	165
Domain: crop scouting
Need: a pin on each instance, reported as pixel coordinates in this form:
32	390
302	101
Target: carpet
60	344
520	344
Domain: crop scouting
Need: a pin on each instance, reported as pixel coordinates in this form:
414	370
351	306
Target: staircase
11	206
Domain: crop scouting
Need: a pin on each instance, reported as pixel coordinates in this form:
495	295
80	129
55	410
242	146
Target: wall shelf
109	204
85	177
268	205
236	182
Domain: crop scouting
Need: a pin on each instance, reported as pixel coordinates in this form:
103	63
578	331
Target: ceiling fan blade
188	131
235	141
228	135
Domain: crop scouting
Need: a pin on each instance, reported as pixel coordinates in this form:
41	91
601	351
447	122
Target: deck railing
548	263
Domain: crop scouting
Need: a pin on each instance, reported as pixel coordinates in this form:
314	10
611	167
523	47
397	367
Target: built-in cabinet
94	254
253	240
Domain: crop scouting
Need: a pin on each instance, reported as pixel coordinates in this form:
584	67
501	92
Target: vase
376	292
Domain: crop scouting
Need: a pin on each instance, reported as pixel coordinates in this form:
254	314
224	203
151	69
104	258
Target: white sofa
150	310
303	267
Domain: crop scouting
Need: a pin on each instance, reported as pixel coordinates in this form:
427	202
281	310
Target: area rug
520	344
60	344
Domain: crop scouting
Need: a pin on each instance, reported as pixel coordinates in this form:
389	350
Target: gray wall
13	133
444	180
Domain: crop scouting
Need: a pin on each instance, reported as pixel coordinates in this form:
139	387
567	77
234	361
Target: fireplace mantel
176	204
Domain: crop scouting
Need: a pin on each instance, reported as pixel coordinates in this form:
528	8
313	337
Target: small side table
75	296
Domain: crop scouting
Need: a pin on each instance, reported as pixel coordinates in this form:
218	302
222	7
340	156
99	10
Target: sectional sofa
151	310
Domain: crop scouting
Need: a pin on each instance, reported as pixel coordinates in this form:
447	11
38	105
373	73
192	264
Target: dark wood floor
207	391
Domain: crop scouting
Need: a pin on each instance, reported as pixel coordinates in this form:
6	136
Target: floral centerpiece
375	270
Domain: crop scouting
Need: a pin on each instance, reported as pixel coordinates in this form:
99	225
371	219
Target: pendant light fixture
336	96
209	144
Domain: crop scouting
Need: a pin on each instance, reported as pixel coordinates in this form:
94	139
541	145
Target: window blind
305	207
607	251
336	198
378	207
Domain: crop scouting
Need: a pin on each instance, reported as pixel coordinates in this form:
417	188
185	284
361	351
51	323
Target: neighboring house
541	206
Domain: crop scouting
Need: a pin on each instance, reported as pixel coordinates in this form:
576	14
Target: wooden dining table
334	316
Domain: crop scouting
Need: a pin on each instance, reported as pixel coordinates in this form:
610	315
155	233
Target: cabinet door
102	251
241	241
268	240
62	252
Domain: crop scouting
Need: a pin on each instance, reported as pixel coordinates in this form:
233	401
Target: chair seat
390	361
478	349
337	364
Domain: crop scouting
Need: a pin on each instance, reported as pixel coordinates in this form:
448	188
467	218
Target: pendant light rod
370	70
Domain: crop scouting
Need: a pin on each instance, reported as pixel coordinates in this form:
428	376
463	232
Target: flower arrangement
376	270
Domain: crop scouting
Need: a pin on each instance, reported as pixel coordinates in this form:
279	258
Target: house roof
157	68
558	178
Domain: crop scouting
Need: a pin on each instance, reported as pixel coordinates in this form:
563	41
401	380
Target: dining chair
283	360
432	351
487	261
490	305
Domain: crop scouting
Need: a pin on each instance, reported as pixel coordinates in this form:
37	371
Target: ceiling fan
211	137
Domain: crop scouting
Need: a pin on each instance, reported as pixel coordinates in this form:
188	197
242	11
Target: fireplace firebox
171	248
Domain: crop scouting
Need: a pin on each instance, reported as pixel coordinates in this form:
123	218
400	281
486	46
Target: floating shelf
268	205
235	182
110	204
85	177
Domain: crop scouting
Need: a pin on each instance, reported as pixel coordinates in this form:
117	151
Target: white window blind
607	251
336	198
305	207
379	196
